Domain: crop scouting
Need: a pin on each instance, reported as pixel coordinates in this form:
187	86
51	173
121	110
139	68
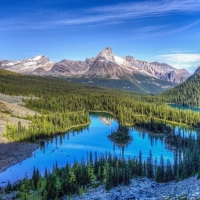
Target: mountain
69	68
107	67
110	66
188	93
160	70
36	65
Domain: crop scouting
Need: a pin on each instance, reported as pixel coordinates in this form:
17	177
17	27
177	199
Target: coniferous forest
187	93
62	105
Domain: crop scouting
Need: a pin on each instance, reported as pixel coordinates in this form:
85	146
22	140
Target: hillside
141	83
188	93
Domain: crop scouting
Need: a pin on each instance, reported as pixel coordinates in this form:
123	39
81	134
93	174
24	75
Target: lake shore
143	188
14	152
140	189
12	111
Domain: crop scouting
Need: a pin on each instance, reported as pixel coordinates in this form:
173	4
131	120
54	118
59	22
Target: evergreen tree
160	174
150	173
168	173
140	165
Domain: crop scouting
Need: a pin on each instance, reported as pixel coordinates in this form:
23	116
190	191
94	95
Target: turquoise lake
196	109
76	145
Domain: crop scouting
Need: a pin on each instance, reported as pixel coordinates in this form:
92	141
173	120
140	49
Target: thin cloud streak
108	14
150	7
165	30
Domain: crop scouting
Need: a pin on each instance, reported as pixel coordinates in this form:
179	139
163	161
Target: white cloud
181	60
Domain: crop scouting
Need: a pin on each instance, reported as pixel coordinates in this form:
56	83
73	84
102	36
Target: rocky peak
107	54
40	59
130	59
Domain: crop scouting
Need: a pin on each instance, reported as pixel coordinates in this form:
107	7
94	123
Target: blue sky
164	30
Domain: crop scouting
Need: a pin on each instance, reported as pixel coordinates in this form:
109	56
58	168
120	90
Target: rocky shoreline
11	112
139	189
143	188
15	152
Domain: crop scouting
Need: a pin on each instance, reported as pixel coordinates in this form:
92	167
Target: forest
111	171
62	105
187	93
59	101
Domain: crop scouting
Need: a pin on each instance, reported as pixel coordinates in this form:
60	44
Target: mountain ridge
105	65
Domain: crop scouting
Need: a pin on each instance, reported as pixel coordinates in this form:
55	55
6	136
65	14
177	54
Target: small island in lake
121	137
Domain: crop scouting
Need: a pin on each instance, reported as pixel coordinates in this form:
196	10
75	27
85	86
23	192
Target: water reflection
76	144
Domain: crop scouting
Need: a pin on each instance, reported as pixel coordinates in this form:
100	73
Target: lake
75	145
197	109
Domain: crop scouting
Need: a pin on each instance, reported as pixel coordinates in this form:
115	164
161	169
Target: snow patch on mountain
31	63
119	60
37	57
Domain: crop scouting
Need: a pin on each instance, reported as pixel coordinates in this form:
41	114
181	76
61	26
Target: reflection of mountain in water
107	121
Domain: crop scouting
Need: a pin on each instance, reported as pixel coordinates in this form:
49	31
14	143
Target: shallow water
78	144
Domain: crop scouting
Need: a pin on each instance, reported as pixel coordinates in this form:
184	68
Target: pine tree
58	187
168	173
140	165
160	174
150	173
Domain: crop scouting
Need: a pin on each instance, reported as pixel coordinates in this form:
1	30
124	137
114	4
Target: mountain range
107	66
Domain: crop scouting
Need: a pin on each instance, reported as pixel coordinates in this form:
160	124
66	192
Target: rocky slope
143	188
69	68
105	65
160	70
11	112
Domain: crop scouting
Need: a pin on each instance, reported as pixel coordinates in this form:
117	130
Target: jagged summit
107	53
38	57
